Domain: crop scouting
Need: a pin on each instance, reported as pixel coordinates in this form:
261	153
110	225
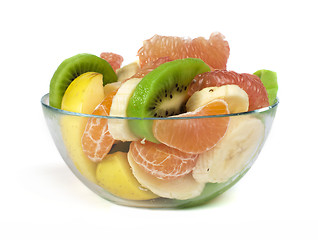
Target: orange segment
96	139
162	161
194	135
213	51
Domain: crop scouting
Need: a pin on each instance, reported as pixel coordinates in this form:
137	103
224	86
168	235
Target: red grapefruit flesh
162	161
150	66
113	59
250	83
214	51
194	135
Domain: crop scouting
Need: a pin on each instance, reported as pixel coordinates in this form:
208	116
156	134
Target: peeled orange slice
194	135
184	187
162	161
96	139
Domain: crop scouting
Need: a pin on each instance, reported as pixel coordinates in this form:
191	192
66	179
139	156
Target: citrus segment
150	66
184	187
251	84
97	140
162	161
194	135
113	59
214	51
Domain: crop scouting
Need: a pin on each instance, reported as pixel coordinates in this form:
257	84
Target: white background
41	199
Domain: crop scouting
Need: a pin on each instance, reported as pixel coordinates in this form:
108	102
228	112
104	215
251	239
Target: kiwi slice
162	93
269	79
73	67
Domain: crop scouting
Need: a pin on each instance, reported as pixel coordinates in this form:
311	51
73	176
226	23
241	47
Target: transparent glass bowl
66	128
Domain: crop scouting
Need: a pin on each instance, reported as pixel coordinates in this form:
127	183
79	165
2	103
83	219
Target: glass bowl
66	128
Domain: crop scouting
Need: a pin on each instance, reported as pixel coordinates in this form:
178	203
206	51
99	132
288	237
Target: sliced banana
233	153
108	88
127	71
180	188
119	128
236	98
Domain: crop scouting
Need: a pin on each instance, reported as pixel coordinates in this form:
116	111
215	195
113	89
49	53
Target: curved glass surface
244	143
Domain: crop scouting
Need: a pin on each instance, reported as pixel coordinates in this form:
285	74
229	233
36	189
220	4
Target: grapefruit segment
113	59
162	161
97	140
251	84
213	51
150	66
194	135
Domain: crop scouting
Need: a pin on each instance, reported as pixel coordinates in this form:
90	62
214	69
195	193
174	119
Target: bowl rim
45	100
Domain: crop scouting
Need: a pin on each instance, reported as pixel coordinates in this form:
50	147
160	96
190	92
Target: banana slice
180	188
127	71
119	128
233	153
111	87
236	98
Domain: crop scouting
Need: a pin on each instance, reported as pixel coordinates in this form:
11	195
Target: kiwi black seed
169	103
162	93
73	67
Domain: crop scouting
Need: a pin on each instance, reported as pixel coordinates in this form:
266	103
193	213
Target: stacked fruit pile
167	131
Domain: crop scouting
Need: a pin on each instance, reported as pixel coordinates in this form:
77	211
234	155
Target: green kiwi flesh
73	67
162	93
269	79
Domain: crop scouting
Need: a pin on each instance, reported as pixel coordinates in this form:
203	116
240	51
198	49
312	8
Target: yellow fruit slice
82	96
84	93
114	175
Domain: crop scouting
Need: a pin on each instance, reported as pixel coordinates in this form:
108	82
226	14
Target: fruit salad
169	125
